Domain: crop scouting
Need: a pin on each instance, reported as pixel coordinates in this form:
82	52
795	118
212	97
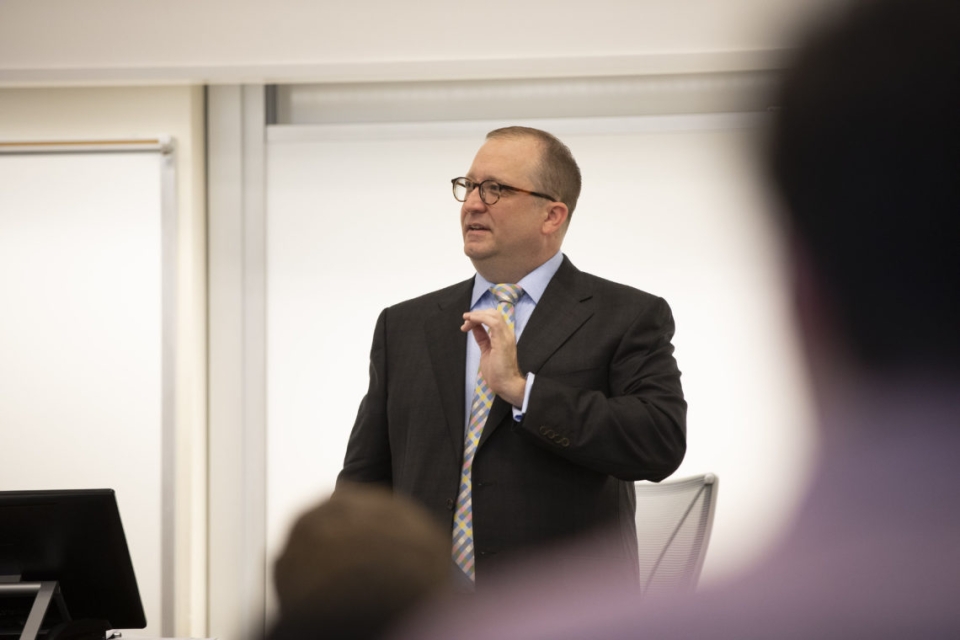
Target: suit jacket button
543	430
565	442
450	504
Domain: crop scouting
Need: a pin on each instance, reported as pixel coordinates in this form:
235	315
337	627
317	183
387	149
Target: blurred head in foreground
356	563
865	154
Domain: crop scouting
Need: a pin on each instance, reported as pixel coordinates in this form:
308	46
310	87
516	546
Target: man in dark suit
865	154
587	391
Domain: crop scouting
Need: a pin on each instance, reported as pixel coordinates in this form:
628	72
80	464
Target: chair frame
703	481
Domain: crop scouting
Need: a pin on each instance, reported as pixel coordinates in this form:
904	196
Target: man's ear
556	218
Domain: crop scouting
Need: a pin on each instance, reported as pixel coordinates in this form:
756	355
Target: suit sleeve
628	421
368	449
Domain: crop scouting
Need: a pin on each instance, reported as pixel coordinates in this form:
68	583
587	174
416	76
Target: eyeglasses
490	191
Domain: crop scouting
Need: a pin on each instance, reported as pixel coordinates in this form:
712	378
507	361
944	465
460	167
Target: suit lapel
560	312
447	346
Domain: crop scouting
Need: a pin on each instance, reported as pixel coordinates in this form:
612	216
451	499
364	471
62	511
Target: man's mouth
477	227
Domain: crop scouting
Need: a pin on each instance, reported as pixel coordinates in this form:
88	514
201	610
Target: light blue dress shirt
533	285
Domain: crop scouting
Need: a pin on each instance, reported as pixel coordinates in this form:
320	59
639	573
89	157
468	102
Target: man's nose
474	201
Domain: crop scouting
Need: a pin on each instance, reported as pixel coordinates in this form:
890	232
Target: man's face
505	239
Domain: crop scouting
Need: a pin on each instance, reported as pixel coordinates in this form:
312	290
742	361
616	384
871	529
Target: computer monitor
75	539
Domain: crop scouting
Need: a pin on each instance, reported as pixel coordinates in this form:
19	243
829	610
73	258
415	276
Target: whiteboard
82	375
361	217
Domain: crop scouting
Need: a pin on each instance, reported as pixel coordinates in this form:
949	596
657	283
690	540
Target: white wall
112	113
314	41
82	401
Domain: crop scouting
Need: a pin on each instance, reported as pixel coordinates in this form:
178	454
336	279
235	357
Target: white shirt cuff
519	413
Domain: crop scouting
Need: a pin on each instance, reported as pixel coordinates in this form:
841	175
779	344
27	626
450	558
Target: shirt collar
533	284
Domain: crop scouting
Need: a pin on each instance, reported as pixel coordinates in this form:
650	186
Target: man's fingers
481	336
498	353
487	317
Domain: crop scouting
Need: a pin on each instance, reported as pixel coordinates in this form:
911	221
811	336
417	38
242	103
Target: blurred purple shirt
874	553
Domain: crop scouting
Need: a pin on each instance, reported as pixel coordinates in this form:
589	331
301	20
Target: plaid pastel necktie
463	554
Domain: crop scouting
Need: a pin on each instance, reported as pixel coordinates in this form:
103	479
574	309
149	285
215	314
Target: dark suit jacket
606	409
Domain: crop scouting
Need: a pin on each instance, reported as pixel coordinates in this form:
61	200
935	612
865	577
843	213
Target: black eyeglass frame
500	186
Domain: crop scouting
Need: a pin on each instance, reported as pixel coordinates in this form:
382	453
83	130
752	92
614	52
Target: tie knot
508	293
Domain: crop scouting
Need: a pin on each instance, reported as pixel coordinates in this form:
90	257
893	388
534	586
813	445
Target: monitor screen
76	538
